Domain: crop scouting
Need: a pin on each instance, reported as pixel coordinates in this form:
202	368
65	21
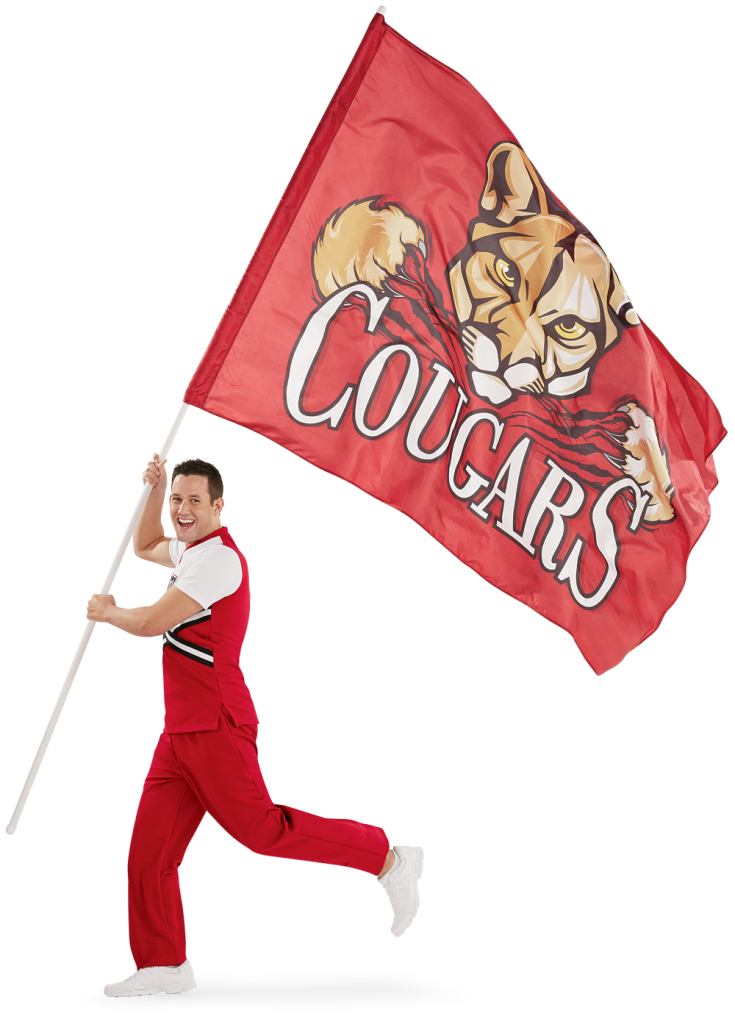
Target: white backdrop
528	49
659	904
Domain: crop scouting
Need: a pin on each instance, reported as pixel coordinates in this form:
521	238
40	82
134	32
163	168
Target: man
206	758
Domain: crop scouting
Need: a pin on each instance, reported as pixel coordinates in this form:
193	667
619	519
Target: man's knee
264	835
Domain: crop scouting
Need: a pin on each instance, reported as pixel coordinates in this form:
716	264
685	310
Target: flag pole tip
382	10
10	829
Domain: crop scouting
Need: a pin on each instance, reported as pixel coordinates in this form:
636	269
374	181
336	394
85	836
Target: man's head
196	500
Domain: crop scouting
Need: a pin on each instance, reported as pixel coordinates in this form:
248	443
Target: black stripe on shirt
195	620
189	649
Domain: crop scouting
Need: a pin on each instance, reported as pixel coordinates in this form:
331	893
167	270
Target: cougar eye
570	329
505	272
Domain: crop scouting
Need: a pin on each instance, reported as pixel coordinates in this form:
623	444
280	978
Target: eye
570	329
505	272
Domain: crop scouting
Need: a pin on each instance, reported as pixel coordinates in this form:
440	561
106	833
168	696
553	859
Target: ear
620	301
513	190
219	504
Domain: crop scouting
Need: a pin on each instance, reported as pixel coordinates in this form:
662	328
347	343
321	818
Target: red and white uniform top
201	656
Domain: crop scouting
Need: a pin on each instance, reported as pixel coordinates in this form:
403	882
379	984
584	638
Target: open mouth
185	524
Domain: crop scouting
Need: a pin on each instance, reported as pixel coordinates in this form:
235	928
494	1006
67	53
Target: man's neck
201	540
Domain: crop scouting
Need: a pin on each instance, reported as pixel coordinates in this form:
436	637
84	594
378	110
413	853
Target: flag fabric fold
425	319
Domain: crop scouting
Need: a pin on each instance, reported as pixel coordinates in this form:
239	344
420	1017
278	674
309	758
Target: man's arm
149	542
173	607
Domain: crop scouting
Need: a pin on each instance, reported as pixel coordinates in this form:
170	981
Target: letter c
306	352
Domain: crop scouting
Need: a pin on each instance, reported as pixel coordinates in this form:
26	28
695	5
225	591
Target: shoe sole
133	995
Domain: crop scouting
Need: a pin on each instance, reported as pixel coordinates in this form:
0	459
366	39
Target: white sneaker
151	980
401	884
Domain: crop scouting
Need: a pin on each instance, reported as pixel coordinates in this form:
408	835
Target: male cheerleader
206	758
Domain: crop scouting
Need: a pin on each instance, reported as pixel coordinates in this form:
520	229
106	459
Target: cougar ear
513	190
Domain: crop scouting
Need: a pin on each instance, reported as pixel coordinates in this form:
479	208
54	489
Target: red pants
194	772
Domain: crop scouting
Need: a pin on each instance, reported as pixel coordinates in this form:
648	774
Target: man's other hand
98	606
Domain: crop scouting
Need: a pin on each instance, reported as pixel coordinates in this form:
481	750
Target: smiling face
193	514
537	299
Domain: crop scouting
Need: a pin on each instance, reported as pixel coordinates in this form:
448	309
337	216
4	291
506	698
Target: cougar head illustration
536	297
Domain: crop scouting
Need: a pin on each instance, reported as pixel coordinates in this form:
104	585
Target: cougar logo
536	303
535	296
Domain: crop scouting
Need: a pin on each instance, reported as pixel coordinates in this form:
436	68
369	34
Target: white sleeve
210	575
176	548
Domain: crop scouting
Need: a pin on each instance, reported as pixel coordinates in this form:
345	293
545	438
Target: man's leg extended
168	816
222	767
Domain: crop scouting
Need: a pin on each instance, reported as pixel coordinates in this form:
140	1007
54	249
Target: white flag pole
88	632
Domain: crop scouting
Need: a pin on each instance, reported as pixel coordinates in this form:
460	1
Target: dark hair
196	467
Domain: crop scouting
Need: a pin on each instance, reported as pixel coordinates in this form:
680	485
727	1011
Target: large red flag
424	318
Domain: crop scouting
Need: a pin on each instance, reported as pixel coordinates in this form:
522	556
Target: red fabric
217	771
193	692
404	129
